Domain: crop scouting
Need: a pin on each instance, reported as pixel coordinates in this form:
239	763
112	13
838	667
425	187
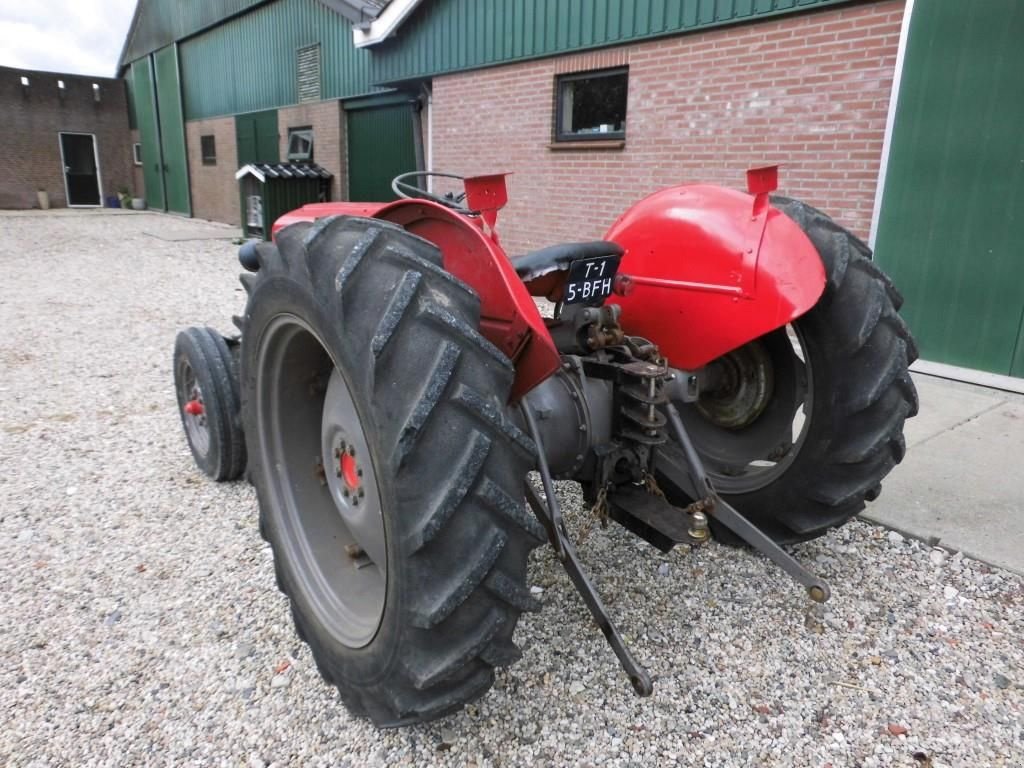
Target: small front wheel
206	385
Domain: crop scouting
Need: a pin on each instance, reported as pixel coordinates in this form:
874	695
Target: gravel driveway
142	625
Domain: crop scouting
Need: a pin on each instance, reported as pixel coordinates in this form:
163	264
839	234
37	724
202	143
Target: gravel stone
90	305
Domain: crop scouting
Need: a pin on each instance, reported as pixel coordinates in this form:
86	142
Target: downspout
417	133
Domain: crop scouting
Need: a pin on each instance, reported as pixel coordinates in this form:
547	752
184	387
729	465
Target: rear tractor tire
808	419
388	472
206	385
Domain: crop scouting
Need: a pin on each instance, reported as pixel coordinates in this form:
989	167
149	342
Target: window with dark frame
591	105
208	148
300	144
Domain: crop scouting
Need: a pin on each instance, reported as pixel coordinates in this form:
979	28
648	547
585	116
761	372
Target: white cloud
75	36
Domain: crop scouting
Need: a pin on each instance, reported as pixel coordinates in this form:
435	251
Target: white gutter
890	120
381	28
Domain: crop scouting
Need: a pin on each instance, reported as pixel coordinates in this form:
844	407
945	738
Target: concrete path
962	481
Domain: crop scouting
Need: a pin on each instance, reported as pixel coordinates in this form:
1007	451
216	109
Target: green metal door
172	130
256	137
950	229
380	146
149	133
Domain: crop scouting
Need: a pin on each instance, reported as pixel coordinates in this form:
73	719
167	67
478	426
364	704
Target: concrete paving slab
945	405
962	481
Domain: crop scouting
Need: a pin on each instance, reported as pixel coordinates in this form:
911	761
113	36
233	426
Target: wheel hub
743	388
329	510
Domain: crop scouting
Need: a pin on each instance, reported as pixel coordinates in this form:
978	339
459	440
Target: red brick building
896	117
810	91
66	135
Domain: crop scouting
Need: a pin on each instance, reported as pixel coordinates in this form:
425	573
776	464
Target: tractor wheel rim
748	452
333	533
196	426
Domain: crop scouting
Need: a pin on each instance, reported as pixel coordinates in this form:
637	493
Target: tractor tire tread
212	363
867	348
463	538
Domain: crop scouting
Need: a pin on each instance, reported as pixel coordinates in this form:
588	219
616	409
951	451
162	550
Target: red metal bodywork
509	318
711	269
707	268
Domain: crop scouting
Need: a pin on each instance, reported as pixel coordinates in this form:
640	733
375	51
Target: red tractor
722	363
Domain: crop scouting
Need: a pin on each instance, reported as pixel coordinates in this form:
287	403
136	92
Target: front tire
206	385
388	474
809	418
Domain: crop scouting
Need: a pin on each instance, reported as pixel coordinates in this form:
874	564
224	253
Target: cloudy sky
74	36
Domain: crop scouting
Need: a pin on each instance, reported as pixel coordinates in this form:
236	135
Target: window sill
563	146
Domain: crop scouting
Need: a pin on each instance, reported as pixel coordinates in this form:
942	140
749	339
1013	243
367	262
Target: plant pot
44	199
138	204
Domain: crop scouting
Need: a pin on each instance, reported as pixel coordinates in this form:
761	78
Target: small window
24	81
300	144
208	148
591	105
137	153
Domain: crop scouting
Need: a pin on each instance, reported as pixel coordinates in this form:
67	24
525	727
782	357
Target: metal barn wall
162	22
950	229
449	35
249	63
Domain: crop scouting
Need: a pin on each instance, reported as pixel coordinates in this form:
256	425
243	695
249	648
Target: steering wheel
403	186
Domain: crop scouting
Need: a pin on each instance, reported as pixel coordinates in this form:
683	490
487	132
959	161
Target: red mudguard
509	318
711	269
708	270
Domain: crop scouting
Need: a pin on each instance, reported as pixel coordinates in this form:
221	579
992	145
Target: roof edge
384	26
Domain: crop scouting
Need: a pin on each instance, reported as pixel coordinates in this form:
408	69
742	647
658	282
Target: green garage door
149	132
172	130
951	228
162	131
380	145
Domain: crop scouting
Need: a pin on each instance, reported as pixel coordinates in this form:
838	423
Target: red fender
509	318
711	269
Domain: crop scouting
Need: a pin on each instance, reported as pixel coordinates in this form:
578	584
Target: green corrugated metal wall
951	229
249	63
446	35
162	22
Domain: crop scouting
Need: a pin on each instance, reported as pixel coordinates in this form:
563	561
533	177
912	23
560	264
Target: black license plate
590	280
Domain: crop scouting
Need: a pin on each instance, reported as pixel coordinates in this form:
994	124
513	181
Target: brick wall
329	143
33	117
810	91
214	189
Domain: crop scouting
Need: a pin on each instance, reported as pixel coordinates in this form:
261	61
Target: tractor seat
532	265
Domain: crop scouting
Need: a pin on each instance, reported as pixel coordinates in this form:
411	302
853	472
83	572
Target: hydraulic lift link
817	589
550	516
